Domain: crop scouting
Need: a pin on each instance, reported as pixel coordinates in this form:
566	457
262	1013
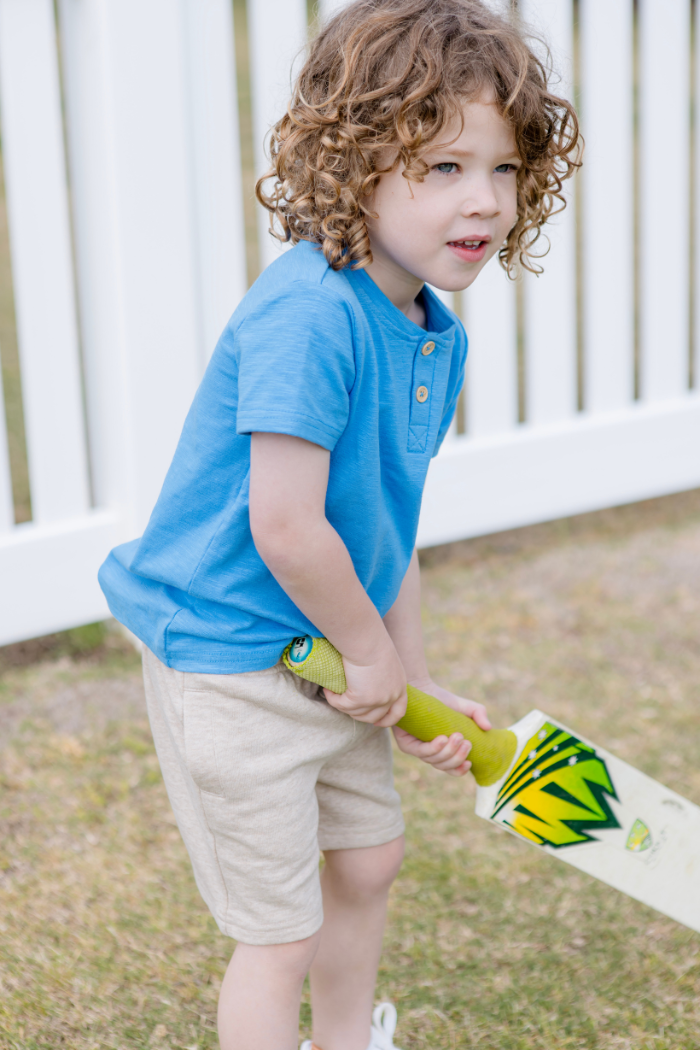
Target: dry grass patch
106	943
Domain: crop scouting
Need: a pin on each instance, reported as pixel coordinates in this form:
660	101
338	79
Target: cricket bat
547	785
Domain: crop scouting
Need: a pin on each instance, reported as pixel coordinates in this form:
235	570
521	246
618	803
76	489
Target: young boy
421	140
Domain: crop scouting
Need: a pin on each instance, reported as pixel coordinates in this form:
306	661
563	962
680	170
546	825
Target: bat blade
601	815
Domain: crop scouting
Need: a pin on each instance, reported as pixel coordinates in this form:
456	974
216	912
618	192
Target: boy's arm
403	622
302	550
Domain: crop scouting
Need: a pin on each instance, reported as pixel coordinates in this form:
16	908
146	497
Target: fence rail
126	195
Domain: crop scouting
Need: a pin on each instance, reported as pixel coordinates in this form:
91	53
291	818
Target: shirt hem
294	427
222	662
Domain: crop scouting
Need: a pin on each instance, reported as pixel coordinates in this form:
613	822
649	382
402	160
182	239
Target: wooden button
428	348
422	394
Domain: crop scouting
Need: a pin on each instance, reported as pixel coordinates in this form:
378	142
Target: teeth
470	244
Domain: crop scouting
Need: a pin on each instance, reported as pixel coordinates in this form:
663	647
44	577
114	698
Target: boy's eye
447	168
504	169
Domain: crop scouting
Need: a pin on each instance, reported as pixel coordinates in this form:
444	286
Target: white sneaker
382	1030
383	1027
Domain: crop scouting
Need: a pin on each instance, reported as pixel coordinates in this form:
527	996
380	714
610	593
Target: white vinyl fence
582	384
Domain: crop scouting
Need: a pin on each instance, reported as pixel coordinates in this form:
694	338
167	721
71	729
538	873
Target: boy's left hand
448	754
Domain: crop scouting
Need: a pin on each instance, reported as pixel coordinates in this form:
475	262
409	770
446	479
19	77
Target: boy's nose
481	200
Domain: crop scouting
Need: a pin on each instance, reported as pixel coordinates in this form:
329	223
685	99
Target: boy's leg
260	994
355	885
252	817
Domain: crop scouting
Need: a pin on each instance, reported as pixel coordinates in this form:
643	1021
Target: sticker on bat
557	792
639	838
300	648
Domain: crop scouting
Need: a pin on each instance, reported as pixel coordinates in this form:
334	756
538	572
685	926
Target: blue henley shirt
321	355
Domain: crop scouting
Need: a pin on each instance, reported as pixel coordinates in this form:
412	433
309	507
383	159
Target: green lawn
105	942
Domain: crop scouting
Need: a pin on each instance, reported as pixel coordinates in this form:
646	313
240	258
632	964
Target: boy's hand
448	754
375	692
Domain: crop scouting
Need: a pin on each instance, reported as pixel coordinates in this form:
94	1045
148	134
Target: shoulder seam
318	291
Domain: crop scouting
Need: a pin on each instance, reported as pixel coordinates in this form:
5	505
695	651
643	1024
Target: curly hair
384	77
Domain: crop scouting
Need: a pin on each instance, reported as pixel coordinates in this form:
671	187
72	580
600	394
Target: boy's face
445	229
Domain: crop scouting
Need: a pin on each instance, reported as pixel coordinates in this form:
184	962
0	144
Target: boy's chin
457	282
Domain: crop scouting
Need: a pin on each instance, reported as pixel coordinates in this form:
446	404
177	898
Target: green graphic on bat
556	792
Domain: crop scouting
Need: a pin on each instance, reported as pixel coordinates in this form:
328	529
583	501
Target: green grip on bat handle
492	751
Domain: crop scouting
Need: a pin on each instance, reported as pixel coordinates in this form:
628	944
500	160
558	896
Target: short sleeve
455	383
296	366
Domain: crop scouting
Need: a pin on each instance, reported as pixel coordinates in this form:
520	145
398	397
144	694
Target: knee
296	957
363	874
389	863
291	960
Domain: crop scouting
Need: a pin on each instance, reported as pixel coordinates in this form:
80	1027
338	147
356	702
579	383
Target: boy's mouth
471	249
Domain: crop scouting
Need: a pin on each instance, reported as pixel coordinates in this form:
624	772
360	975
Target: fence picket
491	388
130	137
38	219
550	299
608	203
664	89
217	207
85	32
7	515
695	348
277	33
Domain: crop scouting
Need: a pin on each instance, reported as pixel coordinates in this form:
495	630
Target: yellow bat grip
426	717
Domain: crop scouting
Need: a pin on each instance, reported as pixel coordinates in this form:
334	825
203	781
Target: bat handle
492	751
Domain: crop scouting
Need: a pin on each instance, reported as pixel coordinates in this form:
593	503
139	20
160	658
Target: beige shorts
262	772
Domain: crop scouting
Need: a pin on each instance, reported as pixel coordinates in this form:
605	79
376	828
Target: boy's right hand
376	692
